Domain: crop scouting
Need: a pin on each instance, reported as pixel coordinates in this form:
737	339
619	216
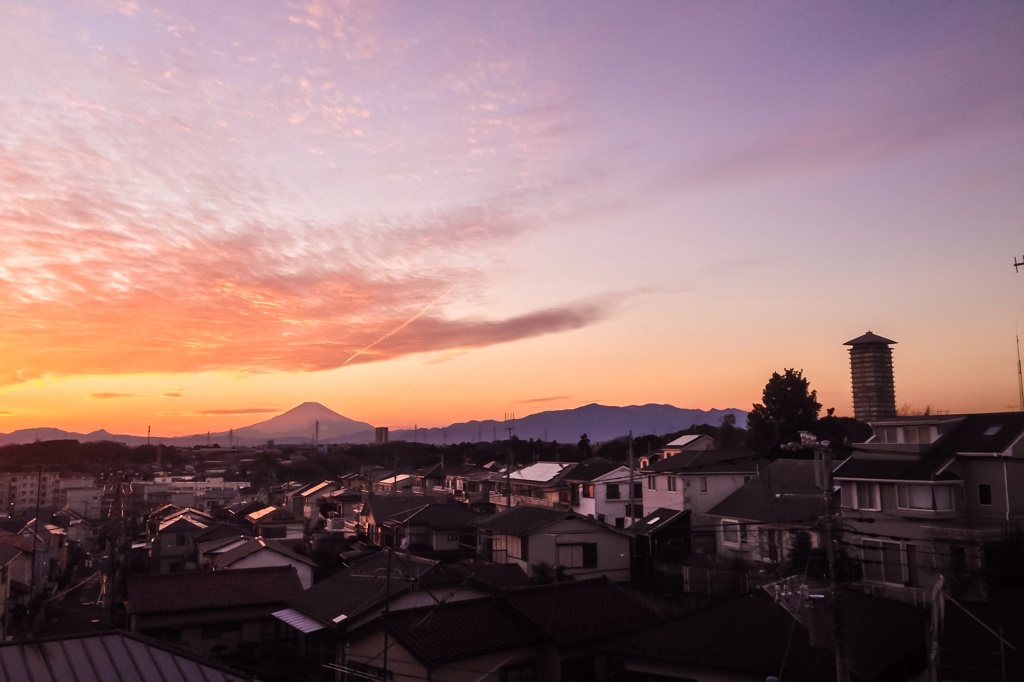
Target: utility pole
508	468
632	503
830	526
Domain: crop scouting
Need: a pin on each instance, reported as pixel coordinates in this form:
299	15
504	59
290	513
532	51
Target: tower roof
869	337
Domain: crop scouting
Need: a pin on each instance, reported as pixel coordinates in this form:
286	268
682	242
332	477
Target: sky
420	213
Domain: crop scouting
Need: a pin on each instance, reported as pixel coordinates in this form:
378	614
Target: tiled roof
658	519
869	337
460	629
495	576
590	469
360	587
580	611
708	462
198	590
902	469
107	656
438	516
524	519
987	433
751	635
785	493
254	545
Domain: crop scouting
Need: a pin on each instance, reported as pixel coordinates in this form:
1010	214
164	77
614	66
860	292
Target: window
882	562
579	555
672	484
864	496
924	497
638	491
734	533
703	484
611	491
588	489
984	494
652	483
917	434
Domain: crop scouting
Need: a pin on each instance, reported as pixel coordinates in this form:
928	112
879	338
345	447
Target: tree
788	406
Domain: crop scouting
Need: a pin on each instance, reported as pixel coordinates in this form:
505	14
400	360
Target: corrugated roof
540	472
298	620
108	656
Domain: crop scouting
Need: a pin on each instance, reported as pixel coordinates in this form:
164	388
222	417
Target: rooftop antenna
1017	265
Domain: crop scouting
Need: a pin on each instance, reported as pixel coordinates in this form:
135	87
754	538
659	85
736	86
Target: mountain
299	425
599	422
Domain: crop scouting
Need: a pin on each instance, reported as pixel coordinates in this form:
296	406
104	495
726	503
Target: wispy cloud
223	412
112	396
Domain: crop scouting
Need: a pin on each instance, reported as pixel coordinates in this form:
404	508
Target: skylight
993	430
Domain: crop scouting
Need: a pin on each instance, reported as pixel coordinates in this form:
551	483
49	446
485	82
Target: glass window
984	494
672	484
652	483
866	496
703	484
611	491
580	555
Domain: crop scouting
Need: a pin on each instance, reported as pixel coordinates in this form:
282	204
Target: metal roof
108	656
298	620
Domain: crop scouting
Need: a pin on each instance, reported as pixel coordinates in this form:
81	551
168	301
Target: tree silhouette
788	406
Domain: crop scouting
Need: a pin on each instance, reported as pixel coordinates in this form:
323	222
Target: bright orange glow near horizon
422	215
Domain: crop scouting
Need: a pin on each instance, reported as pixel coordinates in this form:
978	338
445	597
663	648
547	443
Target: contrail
407	322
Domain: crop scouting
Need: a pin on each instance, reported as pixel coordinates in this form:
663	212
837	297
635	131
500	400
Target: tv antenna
1018	264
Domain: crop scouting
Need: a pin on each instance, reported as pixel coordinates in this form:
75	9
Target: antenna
1017	265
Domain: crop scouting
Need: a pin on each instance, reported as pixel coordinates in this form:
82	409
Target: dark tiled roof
708	462
581	611
255	545
362	586
198	590
1003	429
438	516
386	507
904	469
460	629
494	576
524	519
658	519
590	469
750	634
784	493
106	656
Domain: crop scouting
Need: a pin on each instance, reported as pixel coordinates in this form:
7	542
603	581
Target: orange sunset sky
426	213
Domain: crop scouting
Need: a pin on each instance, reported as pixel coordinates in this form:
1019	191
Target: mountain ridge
311	421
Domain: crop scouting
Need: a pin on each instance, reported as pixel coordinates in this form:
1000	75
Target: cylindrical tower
874	389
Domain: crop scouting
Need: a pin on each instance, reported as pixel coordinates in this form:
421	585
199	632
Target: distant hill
299	425
600	423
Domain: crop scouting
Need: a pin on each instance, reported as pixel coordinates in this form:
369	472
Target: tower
874	390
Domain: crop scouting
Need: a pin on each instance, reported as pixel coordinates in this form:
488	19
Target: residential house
260	553
600	489
429	480
305	501
539	540
443	531
321	618
759	521
684	443
211	611
549	632
341	510
695	481
276	522
379	509
941	495
753	637
539	485
172	548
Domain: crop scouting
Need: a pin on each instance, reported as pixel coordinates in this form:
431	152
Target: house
438	531
260	553
659	539
940	493
108	655
305	501
15	574
548	632
341	510
695	481
538	485
210	611
538	539
753	637
172	549
321	617
600	489
685	443
276	522
759	521
379	509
